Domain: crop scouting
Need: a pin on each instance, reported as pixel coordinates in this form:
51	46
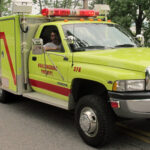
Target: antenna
73	43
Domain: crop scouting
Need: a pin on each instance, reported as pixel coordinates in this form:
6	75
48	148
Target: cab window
51	39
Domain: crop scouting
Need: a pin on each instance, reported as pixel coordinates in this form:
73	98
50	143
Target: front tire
94	120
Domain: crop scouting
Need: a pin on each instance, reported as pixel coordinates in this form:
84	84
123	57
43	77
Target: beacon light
96	13
85	13
45	12
99	19
55	12
61	12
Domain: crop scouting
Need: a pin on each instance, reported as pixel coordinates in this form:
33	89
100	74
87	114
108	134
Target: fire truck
99	71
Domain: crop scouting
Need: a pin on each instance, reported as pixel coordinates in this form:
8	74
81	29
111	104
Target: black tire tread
6	97
105	116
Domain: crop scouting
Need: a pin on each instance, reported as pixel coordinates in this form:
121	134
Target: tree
4	4
85	4
126	12
39	2
96	2
146	29
63	4
57	3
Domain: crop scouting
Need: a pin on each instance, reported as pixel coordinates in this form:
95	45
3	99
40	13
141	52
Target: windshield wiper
79	49
99	47
91	47
125	45
95	47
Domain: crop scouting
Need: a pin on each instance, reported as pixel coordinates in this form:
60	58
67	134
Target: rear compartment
8	59
16	34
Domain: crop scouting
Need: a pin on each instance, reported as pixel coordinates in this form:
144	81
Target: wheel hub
88	121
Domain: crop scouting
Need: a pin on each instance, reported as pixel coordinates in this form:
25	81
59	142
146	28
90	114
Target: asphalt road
30	125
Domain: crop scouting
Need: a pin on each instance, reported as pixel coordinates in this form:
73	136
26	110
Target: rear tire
6	97
94	120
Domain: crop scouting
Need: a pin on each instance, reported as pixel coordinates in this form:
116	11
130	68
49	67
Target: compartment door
8	55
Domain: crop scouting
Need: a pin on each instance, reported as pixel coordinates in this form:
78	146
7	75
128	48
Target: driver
54	44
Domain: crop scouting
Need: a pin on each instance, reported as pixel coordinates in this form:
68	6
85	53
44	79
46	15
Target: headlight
129	85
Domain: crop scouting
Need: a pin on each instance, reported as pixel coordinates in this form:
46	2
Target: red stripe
50	87
2	36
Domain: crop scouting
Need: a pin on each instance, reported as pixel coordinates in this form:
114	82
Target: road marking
136	133
139	137
135	130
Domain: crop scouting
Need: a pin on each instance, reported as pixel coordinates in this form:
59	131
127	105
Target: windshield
94	36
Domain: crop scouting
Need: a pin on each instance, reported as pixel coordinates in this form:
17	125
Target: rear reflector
115	104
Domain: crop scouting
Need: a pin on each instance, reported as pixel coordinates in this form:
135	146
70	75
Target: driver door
54	76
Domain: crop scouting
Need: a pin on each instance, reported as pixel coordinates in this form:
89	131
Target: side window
51	39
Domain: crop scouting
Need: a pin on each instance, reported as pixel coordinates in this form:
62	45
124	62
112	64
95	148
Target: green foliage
146	28
120	12
127	12
4	7
96	2
57	3
63	4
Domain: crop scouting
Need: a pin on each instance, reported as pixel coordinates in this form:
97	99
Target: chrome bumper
133	107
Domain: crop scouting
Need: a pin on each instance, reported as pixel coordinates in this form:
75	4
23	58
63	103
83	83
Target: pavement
31	125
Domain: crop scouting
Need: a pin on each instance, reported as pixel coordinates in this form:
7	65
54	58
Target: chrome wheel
88	122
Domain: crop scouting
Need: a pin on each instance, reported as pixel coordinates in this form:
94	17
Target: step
47	99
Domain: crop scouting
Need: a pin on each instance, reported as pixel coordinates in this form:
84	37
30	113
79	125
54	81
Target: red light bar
55	12
45	12
85	13
68	12
96	13
61	12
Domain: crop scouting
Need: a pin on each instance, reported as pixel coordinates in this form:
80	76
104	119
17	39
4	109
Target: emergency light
69	12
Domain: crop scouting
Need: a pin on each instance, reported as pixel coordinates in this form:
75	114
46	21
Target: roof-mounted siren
103	10
22	6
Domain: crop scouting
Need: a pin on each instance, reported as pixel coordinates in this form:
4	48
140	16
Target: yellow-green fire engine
99	71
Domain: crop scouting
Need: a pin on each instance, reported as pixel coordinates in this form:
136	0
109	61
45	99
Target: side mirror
140	38
37	46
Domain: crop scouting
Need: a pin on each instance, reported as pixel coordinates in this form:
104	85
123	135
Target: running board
47	99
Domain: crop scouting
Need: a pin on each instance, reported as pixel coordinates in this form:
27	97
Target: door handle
66	58
2	53
34	58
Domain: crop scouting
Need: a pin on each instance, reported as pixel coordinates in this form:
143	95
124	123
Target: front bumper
131	105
